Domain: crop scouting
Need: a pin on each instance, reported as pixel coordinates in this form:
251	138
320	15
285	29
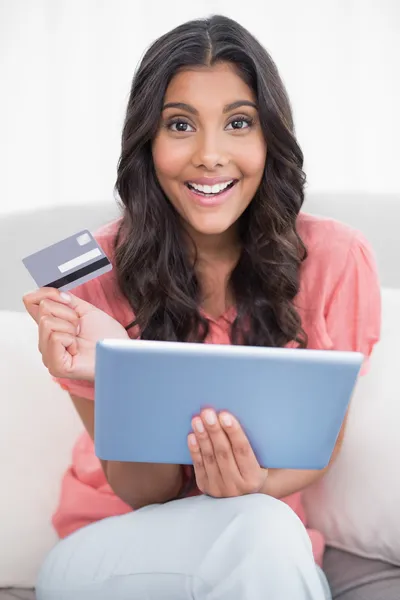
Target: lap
188	544
174	537
354	578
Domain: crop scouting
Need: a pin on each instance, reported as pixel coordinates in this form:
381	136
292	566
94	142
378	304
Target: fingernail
210	417
78	329
65	297
198	425
192	440
226	420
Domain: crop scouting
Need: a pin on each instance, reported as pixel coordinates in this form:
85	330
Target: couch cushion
37	428
356	505
353	578
17	594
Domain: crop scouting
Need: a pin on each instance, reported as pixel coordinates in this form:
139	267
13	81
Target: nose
210	152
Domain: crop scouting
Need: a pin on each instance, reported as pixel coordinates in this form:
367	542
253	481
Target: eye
239	123
179	126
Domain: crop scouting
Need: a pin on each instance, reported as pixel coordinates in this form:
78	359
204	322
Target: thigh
159	545
354	578
183	549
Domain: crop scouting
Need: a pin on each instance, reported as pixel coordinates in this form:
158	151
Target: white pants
246	548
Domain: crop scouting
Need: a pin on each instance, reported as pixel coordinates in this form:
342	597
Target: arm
283	482
353	322
137	484
69	354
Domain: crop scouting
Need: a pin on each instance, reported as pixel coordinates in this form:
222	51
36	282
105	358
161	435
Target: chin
216	228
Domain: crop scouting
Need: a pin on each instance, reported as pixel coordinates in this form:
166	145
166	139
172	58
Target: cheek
169	158
252	160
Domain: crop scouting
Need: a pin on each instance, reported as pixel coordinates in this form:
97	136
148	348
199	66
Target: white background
66	68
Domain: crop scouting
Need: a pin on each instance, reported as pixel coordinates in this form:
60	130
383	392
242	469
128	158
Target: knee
263	538
270	523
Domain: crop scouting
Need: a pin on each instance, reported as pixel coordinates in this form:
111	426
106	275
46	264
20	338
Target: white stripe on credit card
79	260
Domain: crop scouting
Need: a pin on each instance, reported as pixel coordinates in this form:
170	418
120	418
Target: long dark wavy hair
152	264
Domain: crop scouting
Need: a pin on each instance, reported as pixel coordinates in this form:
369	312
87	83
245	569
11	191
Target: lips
212	199
211	180
210	190
210	186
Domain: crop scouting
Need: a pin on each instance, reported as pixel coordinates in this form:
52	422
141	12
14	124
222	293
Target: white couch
355	505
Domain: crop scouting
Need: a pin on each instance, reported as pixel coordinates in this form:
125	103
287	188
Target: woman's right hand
68	331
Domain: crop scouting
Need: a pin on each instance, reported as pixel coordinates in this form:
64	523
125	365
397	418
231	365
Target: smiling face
209	153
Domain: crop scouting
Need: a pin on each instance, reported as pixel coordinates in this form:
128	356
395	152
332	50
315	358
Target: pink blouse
338	301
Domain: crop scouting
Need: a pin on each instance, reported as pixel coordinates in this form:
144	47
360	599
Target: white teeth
211	189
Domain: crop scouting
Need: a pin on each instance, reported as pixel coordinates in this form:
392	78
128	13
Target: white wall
66	68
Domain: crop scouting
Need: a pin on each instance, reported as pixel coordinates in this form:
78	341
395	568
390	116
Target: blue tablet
290	402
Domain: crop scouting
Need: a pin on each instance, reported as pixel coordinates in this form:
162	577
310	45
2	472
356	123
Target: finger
207	451
243	452
49	324
61	350
33	299
56	309
222	448
198	464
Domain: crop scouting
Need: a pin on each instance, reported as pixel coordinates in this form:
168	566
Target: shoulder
340	271
333	247
326	234
340	284
339	297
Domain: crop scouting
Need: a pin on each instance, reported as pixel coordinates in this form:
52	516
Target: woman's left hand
223	459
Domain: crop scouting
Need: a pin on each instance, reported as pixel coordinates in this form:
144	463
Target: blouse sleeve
353	315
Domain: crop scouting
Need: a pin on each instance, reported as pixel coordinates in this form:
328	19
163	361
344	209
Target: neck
216	257
216	247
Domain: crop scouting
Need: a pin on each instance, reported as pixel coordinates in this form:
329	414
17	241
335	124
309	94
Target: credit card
69	263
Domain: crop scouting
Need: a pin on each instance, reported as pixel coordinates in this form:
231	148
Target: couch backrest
378	217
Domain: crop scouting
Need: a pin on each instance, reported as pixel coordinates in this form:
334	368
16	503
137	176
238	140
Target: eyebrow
227	108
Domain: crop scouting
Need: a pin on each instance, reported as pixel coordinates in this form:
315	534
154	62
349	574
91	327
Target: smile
210	191
210	196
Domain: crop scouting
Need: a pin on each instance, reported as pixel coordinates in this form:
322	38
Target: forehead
204	87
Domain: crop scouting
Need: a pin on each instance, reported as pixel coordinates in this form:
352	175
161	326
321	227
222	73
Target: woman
212	247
